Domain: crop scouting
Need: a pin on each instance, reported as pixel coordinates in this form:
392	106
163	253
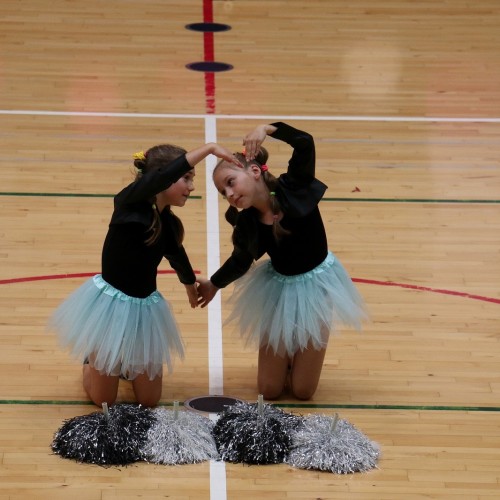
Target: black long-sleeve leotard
128	264
299	193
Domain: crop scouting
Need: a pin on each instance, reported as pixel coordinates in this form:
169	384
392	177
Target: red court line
428	289
356	280
64	276
209	56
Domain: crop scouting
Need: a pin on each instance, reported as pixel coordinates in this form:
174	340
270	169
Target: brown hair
155	158
269	180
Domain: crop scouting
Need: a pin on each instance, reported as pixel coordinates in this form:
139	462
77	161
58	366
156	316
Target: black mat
210	404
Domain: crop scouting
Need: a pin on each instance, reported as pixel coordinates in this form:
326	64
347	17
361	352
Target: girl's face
178	193
237	185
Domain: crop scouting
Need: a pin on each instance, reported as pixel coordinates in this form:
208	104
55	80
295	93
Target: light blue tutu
289	313
120	334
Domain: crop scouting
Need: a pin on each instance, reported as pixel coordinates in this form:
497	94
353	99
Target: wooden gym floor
403	99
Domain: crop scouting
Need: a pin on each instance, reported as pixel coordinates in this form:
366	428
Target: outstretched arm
302	163
157	180
196	155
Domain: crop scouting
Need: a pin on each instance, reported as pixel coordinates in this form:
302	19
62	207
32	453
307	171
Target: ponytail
155	227
272	183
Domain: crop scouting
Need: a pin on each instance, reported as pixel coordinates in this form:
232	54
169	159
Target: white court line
333	118
218	490
215	366
218	487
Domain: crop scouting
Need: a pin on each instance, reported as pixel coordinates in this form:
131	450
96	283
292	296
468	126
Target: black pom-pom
254	433
105	438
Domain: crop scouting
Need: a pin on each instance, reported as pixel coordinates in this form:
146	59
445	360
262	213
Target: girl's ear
256	171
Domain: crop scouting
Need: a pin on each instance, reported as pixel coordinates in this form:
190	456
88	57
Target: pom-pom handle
260	404
335	421
105	410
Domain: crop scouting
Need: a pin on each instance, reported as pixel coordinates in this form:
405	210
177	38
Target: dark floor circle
208	27
208	66
211	404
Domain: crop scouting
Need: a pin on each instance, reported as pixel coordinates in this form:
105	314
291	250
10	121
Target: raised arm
255	138
302	164
196	155
155	181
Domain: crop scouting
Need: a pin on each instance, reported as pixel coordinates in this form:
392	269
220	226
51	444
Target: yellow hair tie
140	156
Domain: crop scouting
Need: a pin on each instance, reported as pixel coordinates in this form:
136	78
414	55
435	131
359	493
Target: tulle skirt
287	313
118	333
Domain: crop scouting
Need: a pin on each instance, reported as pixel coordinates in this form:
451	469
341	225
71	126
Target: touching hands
206	291
192	293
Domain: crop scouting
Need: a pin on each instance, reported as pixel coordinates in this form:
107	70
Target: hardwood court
403	100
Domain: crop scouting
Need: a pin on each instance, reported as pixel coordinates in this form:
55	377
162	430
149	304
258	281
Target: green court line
408	200
360	200
42	402
389	407
68	195
326	406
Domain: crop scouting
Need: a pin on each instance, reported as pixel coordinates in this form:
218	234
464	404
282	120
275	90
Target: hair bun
262	156
139	164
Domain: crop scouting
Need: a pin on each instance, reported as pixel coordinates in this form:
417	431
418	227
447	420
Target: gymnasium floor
403	100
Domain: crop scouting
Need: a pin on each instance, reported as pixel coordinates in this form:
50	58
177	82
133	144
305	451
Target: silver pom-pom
110	437
254	433
333	445
179	437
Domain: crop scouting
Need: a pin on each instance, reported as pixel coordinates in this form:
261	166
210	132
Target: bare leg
147	392
100	388
272	373
306	371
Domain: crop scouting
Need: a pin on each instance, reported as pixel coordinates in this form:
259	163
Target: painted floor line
197	116
299	406
66	276
214	308
341	199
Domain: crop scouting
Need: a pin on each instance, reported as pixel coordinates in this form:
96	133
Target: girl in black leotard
288	304
117	321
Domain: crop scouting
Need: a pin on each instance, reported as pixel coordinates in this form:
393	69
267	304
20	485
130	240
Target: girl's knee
100	388
306	372
303	392
102	395
270	390
303	395
99	397
147	392
148	400
98	401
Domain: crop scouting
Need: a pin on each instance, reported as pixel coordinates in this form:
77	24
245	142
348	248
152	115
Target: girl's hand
194	156
192	293
255	138
226	155
206	292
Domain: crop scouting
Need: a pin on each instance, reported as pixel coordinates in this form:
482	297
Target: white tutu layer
286	313
120	334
